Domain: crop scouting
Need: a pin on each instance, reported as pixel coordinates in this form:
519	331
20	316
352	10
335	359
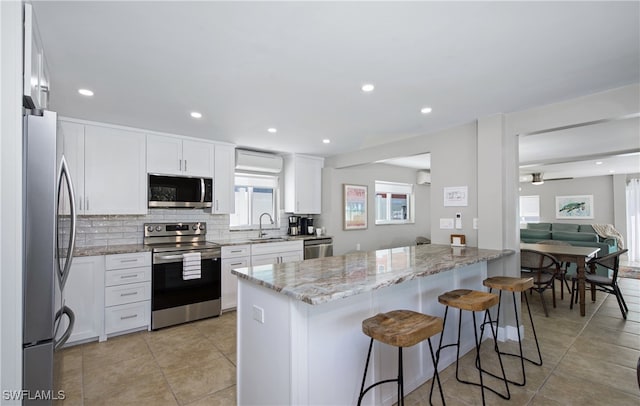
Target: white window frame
269	181
391	188
529	209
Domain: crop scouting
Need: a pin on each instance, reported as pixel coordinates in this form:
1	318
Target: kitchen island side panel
325	346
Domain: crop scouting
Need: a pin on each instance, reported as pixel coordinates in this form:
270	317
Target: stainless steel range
186	277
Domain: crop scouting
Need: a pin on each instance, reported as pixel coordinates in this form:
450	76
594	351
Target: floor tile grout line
175	397
573	341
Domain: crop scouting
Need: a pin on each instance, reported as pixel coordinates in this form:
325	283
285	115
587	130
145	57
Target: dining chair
564	266
603	283
543	269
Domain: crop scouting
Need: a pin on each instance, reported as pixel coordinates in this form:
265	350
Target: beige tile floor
586	361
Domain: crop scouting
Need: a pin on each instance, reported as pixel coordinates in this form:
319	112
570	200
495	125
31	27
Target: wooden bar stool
513	285
400	328
473	301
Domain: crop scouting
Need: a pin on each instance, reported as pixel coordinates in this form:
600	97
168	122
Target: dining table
568	253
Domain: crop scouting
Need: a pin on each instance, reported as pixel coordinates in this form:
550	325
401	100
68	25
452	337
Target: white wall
11	192
375	236
453	162
601	187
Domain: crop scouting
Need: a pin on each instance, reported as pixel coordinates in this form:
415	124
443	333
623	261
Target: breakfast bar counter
299	324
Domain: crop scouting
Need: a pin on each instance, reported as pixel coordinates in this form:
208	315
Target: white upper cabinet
223	183
71	137
176	156
114	162
36	74
106	167
303	184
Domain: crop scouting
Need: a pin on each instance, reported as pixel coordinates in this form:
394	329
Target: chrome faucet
260	233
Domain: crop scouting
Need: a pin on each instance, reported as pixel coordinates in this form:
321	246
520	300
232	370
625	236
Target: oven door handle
179	256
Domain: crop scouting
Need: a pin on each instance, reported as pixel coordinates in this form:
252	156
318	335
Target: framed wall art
455	196
355	207
574	207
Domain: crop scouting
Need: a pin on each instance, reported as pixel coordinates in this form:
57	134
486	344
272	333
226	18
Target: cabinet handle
87	205
80	199
129	260
128	294
185	165
237	263
133	316
298	206
236	251
216	204
128	276
180	165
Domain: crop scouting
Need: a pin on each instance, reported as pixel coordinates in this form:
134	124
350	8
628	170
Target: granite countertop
110	249
131	248
322	280
269	239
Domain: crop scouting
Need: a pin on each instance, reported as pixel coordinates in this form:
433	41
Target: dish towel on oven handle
191	266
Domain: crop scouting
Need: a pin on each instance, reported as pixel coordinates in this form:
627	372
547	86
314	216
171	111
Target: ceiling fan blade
550	180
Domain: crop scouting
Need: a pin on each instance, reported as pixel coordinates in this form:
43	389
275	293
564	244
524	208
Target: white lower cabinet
127	292
276	252
84	295
234	256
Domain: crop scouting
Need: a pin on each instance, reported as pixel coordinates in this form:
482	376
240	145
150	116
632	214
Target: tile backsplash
122	229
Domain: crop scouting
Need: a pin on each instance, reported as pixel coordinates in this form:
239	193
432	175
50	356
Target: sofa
575	234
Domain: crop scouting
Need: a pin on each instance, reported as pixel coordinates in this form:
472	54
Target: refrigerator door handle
64	173
65	310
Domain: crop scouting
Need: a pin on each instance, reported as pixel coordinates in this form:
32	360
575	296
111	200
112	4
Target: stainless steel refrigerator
49	231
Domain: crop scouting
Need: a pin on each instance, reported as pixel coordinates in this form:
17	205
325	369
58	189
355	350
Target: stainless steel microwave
180	191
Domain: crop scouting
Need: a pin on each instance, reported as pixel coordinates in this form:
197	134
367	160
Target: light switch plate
475	223
258	314
446	224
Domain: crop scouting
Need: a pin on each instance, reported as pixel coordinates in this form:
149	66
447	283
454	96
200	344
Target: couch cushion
565	227
573	236
539	226
586	228
529	234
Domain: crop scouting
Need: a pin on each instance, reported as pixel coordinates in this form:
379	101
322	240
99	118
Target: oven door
171	290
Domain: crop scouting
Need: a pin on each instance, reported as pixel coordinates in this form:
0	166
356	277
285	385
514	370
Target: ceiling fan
537	179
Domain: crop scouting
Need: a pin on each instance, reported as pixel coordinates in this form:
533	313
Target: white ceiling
299	66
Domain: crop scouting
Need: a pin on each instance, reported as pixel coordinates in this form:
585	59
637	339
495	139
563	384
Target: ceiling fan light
536	179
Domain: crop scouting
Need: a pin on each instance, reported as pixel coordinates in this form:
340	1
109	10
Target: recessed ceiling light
368	87
425	110
85	92
612	171
326	141
272	130
195	114
599	163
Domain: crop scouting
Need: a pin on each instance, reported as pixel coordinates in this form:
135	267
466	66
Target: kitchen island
299	324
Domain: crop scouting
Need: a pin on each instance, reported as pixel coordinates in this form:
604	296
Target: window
394	203
254	195
529	209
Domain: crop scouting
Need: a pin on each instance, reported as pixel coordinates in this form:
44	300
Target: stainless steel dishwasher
318	248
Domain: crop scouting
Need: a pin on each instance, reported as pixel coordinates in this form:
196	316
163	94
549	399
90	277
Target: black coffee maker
294	227
306	225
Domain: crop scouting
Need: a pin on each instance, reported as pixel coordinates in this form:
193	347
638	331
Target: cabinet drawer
135	292
126	317
126	276
234	251
133	260
233	263
274	247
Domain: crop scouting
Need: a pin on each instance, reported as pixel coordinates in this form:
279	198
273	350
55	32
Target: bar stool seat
400	328
509	283
473	301
513	285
